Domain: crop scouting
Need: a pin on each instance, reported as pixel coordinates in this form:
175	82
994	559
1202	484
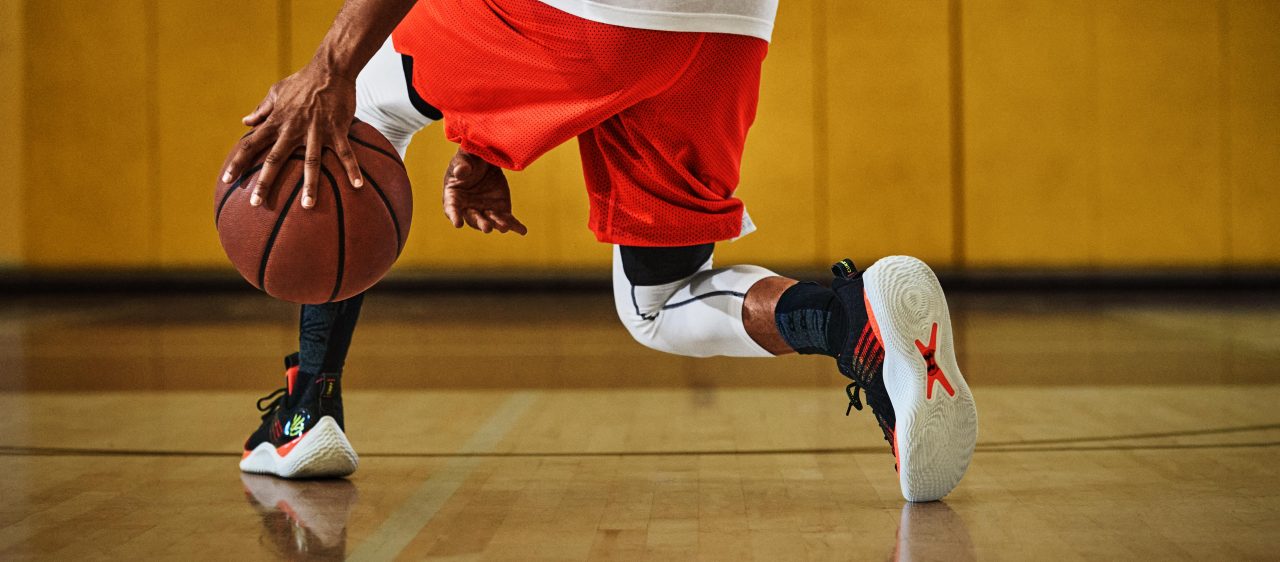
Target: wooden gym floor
528	427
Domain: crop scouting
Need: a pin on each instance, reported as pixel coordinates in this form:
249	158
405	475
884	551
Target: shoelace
851	390
854	402
276	400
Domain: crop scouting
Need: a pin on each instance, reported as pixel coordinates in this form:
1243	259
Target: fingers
476	220
260	113
246	150
517	226
311	168
342	148
499	222
451	212
271	166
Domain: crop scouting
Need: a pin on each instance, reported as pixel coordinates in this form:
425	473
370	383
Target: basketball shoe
903	359
301	433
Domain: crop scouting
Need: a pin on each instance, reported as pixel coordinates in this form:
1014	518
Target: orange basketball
332	251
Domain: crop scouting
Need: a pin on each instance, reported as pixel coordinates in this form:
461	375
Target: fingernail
226	176
308	201
255	200
358	182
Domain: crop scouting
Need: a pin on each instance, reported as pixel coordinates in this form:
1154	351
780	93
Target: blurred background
1098	136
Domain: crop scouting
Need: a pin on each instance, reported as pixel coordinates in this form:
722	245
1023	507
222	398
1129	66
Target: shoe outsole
935	437
322	452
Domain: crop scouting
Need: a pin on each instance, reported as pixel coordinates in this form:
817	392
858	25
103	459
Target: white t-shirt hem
666	21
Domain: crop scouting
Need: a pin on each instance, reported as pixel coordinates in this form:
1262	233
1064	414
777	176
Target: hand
476	192
312	108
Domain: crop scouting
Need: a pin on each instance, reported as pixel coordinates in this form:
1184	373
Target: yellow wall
12	186
980	133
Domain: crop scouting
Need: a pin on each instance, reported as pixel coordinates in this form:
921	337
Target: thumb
260	114
461	169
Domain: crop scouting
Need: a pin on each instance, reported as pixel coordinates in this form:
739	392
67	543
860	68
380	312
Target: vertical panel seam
1224	132
284	36
821	152
956	83
152	66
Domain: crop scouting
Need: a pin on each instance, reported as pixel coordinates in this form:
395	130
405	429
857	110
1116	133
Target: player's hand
476	193
313	109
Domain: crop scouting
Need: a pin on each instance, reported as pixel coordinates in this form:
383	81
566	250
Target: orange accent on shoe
245	455
284	450
863	340
932	370
291	375
871	317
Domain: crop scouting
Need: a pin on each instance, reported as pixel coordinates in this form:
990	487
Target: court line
416	512
1025	444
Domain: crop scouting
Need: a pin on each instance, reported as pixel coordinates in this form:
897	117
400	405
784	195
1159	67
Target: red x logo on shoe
933	372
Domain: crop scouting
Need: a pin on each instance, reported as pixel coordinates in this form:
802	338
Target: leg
384	100
672	300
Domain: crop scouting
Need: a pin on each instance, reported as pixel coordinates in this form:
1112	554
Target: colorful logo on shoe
933	373
294	427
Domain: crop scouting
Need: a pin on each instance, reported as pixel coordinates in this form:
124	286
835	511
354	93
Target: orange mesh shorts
661	117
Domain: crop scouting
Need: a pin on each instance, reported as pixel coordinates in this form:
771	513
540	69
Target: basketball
332	251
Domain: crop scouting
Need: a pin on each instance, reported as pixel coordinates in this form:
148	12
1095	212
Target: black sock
324	335
811	319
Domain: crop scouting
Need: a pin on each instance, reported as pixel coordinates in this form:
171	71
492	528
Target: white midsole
935	437
323	451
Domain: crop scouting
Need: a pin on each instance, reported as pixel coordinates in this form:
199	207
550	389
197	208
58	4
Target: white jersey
739	17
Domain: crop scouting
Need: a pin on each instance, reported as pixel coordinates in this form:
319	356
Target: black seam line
704	296
636	305
370	146
426	109
271	241
236	185
342	231
877	450
217	215
395	221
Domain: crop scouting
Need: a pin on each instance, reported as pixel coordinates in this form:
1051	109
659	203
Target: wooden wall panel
88	138
214	64
1030	132
887	131
1160	192
779	170
13	189
1253	125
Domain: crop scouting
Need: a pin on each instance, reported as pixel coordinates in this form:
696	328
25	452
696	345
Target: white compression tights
382	99
698	316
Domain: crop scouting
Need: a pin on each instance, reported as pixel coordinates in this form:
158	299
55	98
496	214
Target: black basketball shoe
301	433
903	357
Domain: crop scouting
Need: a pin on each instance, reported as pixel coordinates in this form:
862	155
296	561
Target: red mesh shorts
661	117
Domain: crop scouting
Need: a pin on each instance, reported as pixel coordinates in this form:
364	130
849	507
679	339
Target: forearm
356	34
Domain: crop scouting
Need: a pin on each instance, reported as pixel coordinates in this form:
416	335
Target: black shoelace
275	401
876	399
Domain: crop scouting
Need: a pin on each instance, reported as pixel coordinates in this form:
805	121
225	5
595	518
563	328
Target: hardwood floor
1110	427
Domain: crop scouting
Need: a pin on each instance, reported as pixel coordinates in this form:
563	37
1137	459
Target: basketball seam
217	215
370	146
271	240
342	237
395	221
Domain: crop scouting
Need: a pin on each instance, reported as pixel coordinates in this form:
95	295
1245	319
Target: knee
643	326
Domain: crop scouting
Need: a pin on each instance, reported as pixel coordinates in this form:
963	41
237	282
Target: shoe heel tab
844	271
292	360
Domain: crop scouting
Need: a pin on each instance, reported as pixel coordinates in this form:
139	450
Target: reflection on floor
532	428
